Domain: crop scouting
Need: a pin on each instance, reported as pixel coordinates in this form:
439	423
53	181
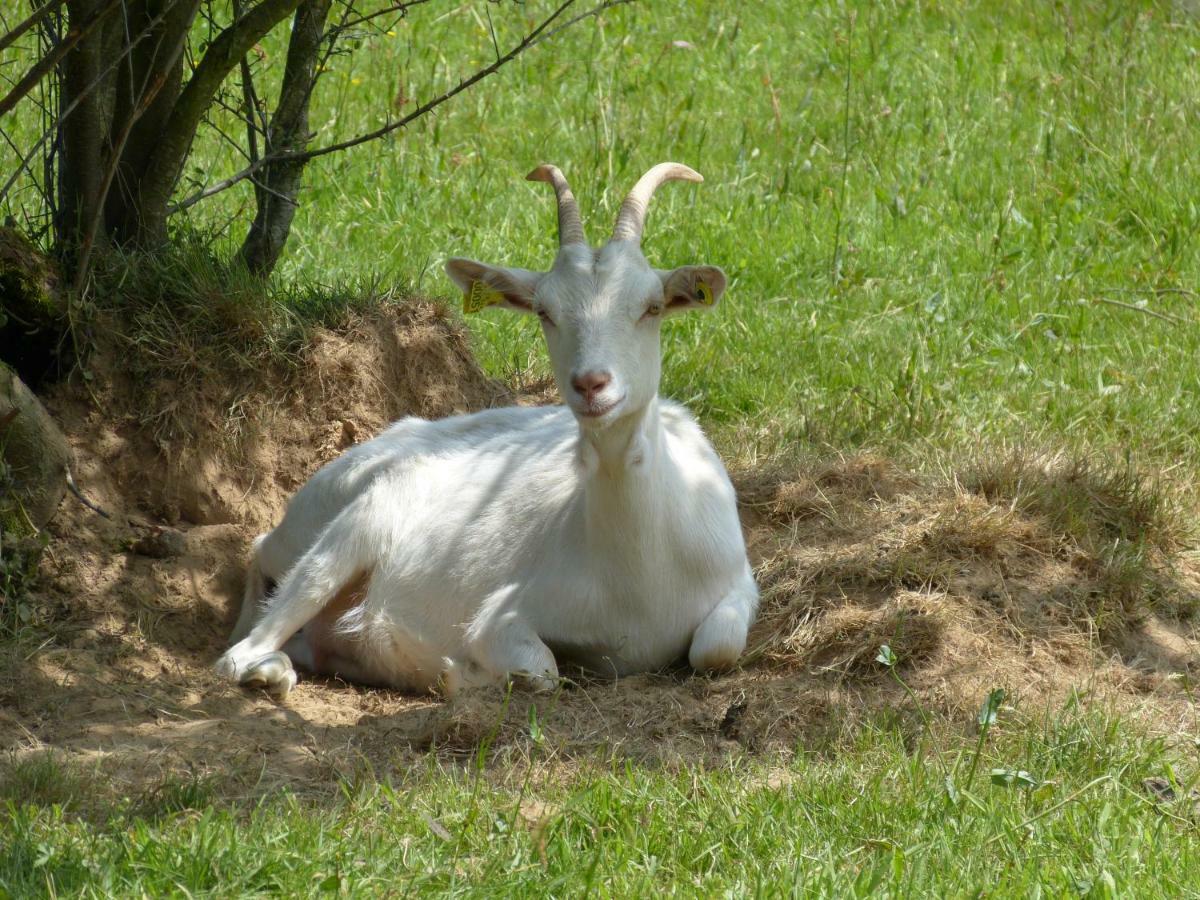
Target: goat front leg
721	636
504	645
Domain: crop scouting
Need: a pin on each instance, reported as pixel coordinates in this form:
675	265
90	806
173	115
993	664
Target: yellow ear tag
480	296
705	292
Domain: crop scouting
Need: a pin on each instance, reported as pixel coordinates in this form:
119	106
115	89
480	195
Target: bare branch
492	31
74	489
46	64
36	16
23	164
216	188
249	98
528	41
239	114
278	195
399	9
221	56
537	36
1166	317
232	141
331	38
82	95
594	11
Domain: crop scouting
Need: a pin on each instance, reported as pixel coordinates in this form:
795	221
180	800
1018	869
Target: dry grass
1025	548
183	320
1032	573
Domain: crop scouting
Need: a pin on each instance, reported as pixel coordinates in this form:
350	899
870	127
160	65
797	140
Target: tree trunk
83	133
156	65
278	186
132	117
33	459
175	140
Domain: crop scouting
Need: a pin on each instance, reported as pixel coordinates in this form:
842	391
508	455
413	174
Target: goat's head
601	309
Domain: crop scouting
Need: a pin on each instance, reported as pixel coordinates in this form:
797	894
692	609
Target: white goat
475	548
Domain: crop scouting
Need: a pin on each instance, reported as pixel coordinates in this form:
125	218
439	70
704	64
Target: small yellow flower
391	34
356	81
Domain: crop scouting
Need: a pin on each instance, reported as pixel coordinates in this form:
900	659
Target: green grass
928	211
935	278
874	819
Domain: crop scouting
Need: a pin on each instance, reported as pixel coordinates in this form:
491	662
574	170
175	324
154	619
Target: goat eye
654	309
545	317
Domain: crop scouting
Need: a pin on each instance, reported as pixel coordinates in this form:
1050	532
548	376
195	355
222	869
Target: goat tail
253	595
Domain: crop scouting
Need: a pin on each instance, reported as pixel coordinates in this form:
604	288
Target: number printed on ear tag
705	292
480	297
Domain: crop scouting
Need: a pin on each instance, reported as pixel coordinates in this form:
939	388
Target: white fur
604	531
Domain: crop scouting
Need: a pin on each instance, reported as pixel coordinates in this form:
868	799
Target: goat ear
692	287
483	285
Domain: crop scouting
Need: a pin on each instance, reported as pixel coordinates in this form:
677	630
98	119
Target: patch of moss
33	316
29	282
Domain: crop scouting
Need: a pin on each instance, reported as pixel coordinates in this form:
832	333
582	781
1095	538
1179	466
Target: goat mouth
599	411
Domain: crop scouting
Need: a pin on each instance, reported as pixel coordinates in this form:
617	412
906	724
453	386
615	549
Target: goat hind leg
315	580
273	673
254	594
506	646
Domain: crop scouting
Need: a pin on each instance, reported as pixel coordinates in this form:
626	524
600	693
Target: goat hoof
718	656
273	673
545	683
718	642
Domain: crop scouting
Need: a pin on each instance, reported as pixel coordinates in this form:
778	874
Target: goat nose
590	383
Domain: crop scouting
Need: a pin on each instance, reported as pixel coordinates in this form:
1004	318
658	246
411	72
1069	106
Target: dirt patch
231	450
972	581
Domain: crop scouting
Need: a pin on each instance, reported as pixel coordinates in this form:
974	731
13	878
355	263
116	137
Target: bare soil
970	590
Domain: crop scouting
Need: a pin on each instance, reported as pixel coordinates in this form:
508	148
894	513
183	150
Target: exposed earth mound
1037	574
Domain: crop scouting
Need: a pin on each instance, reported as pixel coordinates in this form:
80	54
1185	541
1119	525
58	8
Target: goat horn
632	217
570	226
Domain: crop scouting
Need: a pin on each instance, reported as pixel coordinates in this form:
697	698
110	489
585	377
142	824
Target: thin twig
536	36
222	185
237	114
276	194
1166	317
23	163
526	42
82	95
492	31
1157	292
47	63
331	40
594	11
34	17
82	499
249	99
835	258
230	140
347	24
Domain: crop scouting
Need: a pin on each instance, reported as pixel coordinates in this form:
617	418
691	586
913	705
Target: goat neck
627	450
